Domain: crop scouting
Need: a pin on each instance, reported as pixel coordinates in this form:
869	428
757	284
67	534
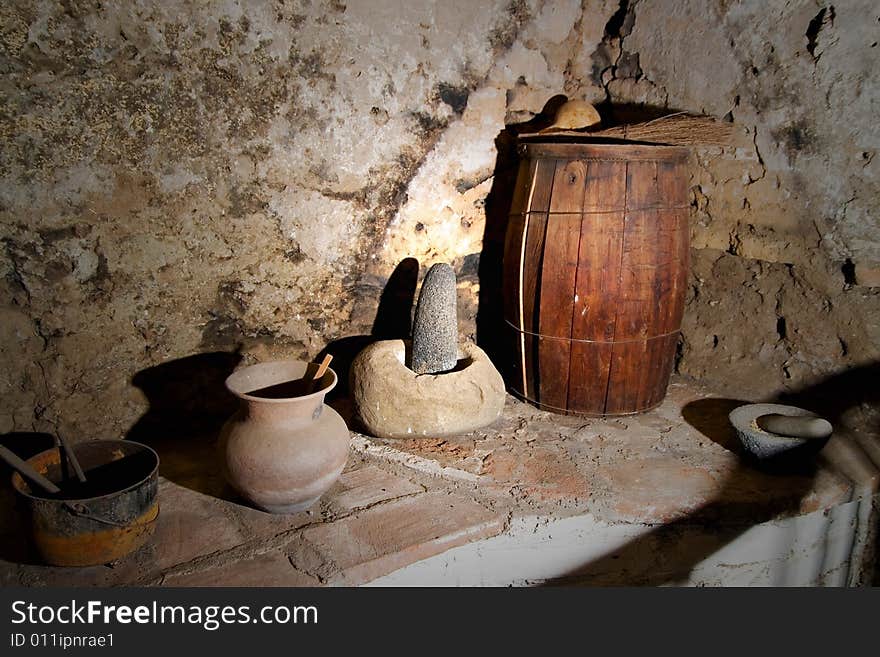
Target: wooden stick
26	471
68	450
322	369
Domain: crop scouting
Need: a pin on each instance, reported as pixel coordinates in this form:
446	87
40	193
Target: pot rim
280	400
18	481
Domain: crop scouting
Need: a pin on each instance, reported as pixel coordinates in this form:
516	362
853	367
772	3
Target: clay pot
284	447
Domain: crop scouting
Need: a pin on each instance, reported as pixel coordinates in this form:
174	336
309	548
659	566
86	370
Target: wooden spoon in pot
322	369
27	471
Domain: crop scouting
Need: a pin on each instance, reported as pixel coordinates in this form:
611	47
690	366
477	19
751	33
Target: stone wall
187	177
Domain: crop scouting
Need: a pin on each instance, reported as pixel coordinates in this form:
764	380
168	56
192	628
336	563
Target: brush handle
795	426
27	471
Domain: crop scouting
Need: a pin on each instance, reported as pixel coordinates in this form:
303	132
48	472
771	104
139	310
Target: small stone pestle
435	329
795	426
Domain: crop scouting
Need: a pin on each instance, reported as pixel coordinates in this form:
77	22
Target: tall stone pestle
435	329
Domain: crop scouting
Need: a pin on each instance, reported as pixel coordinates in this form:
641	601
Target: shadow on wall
835	396
393	321
669	553
394	314
189	403
490	310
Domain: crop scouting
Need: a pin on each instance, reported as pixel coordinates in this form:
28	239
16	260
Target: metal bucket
111	515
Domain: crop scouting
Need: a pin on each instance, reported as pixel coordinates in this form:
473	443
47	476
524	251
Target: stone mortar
392	401
765	445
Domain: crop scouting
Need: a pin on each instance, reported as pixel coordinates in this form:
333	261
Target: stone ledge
401	503
679	460
390	536
370	523
267	569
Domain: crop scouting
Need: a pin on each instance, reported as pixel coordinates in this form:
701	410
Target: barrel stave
556	302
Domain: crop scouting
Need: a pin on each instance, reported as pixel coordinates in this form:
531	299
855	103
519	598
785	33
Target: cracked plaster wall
179	177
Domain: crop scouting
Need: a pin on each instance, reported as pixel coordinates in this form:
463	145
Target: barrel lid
582	146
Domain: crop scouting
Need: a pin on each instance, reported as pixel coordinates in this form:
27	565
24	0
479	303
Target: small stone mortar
767	446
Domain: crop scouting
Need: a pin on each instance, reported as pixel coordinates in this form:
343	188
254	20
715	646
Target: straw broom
679	129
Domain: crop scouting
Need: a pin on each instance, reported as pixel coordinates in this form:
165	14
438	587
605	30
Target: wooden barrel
595	267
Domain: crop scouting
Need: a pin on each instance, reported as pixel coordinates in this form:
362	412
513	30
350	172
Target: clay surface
394	402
